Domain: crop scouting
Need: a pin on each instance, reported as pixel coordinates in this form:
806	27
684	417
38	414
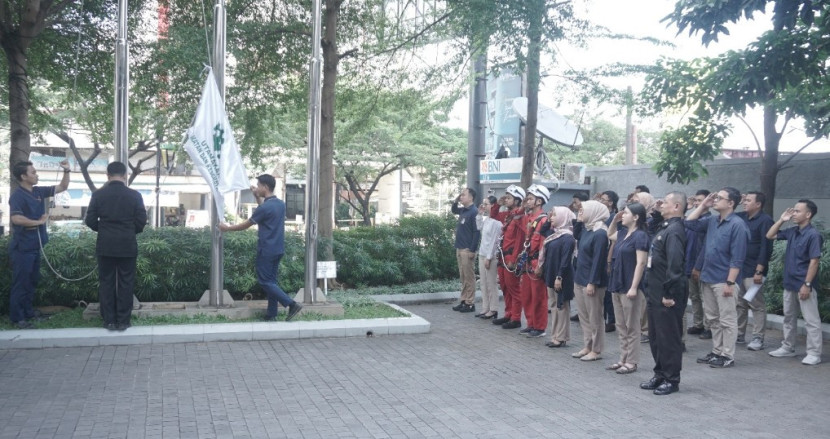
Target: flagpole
217	263
122	75
312	192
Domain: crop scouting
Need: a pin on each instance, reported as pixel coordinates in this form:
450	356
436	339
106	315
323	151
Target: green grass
354	306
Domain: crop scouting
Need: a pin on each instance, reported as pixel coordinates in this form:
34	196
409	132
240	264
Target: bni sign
501	170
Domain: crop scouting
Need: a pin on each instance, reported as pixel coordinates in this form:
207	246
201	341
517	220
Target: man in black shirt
666	296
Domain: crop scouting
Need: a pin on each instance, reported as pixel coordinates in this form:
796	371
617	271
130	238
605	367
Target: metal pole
217	263
122	76
475	136
158	190
312	191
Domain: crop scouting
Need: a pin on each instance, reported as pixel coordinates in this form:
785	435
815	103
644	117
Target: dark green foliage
174	262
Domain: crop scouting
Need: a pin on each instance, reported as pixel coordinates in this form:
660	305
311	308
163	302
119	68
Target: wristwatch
808	284
730	283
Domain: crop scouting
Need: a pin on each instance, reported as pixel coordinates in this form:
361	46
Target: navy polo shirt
466	232
694	243
724	247
29	205
270	220
802	246
759	248
625	260
592	260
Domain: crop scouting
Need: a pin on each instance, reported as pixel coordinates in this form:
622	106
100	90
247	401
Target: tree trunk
536	9
21	143
769	161
331	59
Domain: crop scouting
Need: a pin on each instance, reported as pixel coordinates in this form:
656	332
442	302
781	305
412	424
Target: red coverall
534	292
513	236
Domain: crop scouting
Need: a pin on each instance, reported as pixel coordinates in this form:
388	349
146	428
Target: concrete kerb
243	331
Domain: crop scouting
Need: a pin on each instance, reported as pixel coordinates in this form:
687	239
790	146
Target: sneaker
706	334
535	333
643	339
694	330
121	327
526	330
575	318
293	309
23	324
459	306
513	324
610	327
757	344
467	308
501	320
811	360
721	362
783	352
708	358
741	339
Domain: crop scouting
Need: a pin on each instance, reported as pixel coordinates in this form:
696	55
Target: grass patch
355	306
425	287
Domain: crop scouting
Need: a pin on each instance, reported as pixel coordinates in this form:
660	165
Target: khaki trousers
467	274
560	326
627	314
722	314
759	311
489	285
697	305
590	317
812	321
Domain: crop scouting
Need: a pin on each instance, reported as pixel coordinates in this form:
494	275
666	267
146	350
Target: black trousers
665	332
116	284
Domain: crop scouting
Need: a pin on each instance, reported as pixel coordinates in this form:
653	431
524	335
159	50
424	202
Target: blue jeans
25	275
267	271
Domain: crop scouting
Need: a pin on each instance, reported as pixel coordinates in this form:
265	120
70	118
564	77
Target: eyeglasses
718	198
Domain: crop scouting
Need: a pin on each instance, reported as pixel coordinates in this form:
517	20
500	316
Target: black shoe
695	330
23	324
706	334
575	318
122	326
708	358
110	326
721	362
467	308
491	316
741	339
535	333
459	306
610	327
501	321
525	330
651	384
293	309
666	388
684	347
513	324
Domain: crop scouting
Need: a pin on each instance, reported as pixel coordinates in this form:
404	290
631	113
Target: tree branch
84	164
415	36
790	158
754	137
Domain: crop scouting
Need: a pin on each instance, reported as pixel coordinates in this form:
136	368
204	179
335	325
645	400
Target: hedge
174	262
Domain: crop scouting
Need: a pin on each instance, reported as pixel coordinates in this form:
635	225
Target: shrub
174	262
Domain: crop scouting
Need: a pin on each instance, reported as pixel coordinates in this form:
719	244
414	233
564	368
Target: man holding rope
27	215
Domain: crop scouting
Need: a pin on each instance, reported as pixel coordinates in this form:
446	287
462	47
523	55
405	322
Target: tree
383	132
784	71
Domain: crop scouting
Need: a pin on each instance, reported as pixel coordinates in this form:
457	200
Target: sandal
614	366
592	356
580	354
625	370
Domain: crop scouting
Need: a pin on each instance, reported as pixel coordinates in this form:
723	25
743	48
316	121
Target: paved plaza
466	378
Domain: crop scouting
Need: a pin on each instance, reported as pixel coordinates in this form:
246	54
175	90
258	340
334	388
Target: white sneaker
811	360
756	344
783	352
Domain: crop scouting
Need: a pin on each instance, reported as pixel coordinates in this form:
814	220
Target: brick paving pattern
465	379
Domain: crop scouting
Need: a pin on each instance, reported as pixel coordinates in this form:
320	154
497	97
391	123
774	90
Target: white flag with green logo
212	148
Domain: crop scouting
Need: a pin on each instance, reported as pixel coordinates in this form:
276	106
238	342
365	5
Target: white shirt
490	235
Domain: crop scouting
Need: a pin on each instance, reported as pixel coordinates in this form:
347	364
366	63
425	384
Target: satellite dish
550	124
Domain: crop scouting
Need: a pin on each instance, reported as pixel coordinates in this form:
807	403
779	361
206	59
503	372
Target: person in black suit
117	213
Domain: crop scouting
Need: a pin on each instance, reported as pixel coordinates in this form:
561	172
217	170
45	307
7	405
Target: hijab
647	200
594	215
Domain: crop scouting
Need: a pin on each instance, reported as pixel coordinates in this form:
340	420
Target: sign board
197	219
501	170
326	269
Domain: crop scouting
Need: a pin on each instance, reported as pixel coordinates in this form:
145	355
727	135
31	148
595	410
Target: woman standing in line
556	260
625	284
590	279
487	264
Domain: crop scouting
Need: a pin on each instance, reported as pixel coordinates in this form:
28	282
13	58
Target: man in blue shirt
466	245
724	251
694	243
801	262
27	217
754	271
269	217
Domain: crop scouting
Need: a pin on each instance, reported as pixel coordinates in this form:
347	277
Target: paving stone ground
465	379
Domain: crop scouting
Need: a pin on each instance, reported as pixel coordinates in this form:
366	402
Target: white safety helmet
540	192
515	191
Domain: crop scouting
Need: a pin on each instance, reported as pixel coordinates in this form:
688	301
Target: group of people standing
633	269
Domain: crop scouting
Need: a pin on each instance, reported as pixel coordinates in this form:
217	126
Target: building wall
805	177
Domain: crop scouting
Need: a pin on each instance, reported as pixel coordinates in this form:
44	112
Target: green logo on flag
218	140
